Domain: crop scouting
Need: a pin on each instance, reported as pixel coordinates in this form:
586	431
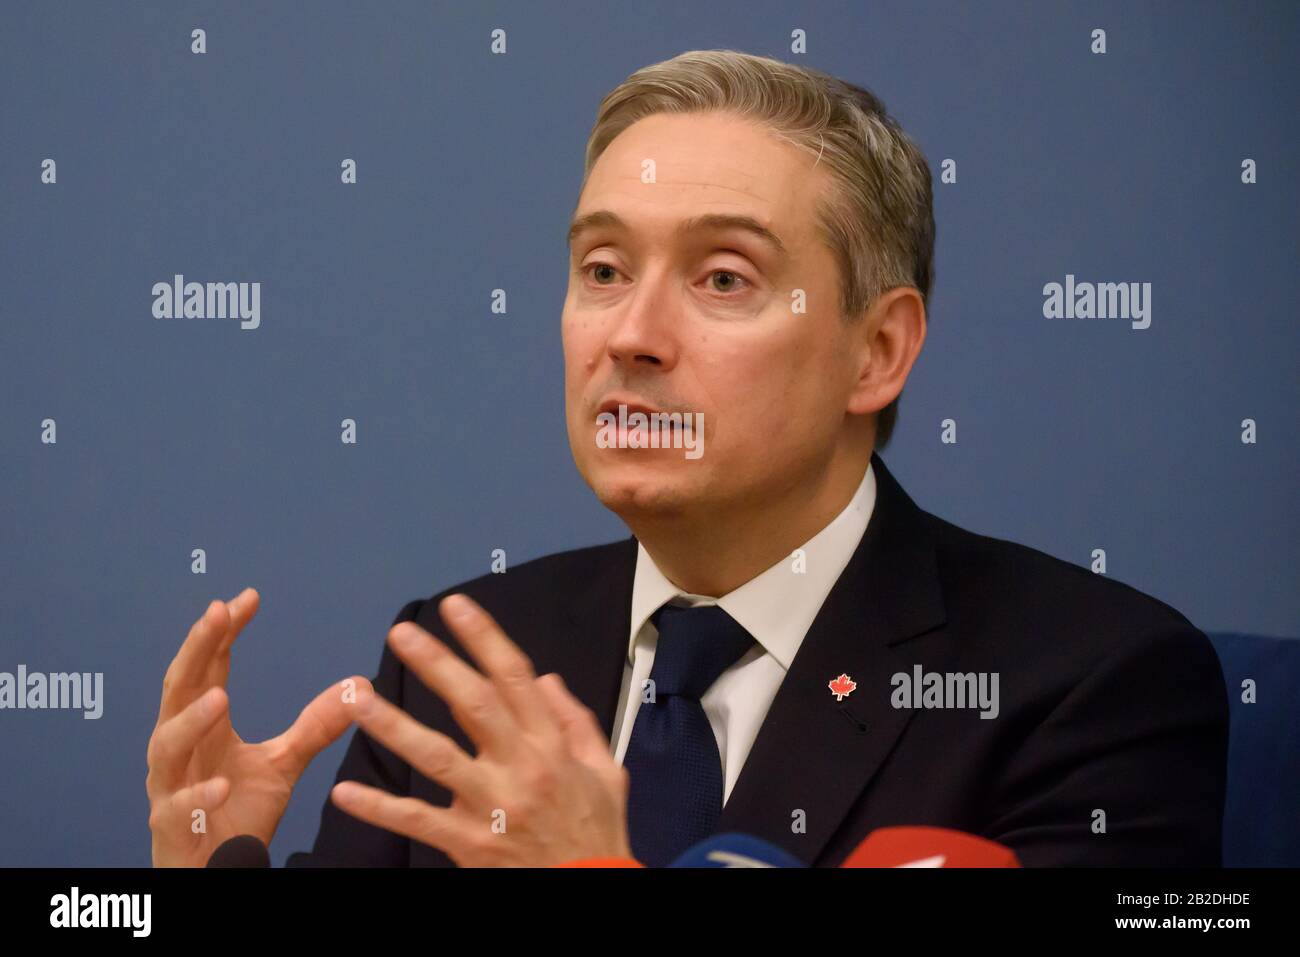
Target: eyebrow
708	221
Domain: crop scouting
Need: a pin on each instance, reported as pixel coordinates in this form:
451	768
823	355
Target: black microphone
242	851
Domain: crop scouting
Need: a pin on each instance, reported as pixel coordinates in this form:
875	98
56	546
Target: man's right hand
198	763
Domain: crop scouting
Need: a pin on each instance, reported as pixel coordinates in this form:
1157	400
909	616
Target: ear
889	339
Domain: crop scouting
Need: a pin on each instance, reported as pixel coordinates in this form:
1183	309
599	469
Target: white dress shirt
776	607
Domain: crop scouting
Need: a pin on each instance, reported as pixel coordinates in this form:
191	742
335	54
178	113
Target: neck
717	555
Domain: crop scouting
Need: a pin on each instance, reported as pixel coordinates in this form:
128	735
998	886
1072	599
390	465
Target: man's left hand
543	788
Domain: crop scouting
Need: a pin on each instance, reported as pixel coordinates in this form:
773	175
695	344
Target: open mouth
612	407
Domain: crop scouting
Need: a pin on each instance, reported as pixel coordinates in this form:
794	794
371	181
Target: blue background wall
175	435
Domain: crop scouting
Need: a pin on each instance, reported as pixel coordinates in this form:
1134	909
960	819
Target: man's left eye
734	278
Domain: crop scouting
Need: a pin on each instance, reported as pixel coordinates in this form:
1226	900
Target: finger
433	754
196	667
475	702
435	826
174	815
501	660
174	741
241	609
321	723
184	677
582	732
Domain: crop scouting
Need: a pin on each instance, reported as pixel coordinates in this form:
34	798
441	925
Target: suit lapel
594	650
813	754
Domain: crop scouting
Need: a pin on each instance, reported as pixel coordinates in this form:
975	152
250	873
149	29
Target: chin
646	492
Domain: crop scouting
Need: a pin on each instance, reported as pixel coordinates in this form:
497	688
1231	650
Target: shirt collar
776	607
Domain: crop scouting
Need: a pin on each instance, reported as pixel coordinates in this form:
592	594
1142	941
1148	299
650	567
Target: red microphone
928	847
602	862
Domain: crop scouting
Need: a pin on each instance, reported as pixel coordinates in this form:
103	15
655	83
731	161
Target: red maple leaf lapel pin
841	686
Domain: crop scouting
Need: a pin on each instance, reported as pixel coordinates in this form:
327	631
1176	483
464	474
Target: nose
645	332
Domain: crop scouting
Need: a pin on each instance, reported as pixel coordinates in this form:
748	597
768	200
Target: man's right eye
586	270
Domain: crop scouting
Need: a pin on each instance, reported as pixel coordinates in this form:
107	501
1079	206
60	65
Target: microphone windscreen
603	862
928	847
242	851
736	850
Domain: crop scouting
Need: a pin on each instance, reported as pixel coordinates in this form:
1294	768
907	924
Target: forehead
706	166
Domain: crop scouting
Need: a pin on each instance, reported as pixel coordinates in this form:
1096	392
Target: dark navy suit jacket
1109	748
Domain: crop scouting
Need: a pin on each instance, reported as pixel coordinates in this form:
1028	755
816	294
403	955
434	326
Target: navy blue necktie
672	758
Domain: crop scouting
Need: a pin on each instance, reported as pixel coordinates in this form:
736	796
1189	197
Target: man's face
705	320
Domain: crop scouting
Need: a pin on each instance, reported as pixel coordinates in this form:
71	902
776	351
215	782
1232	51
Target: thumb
321	723
582	732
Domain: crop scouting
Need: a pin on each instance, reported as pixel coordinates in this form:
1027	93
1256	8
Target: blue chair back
1261	815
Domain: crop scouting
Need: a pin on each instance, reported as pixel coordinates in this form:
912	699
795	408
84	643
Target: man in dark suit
787	646
1110	702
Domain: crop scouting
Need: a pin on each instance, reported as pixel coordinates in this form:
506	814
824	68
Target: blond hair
878	220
